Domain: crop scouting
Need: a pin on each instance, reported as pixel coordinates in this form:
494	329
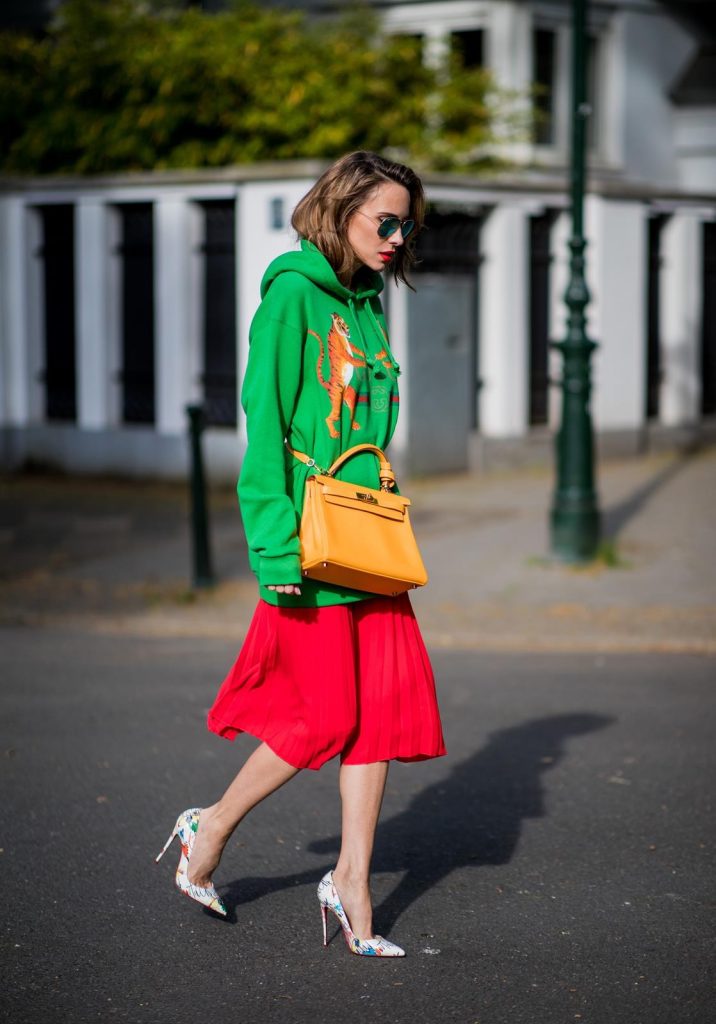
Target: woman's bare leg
362	787
262	774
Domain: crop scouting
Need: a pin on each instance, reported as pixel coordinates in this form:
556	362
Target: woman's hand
285	588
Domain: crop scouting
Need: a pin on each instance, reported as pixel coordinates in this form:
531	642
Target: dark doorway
655	227
708	323
219	324
137	254
58	259
540	264
442	341
450	246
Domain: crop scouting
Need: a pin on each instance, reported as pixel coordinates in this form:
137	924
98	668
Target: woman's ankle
355	868
214	821
350	877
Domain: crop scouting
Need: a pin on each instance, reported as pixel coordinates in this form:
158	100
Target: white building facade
124	299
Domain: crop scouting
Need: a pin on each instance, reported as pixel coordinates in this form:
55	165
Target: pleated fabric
352	679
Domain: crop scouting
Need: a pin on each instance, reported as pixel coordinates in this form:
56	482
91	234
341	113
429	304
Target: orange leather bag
355	536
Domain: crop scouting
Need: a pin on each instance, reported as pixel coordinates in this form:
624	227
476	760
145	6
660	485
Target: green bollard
203	575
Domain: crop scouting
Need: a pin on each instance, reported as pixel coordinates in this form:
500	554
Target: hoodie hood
312	264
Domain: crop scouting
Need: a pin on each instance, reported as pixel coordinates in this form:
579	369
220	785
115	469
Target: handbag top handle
385	470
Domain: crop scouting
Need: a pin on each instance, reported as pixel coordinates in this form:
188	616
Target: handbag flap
339	492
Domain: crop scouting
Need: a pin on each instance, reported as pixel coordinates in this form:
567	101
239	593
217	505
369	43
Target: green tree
125	85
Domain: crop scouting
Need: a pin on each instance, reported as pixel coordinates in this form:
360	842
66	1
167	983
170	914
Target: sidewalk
113	556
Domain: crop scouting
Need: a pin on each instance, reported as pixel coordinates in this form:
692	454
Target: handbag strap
385	470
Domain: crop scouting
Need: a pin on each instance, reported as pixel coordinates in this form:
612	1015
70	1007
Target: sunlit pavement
114	557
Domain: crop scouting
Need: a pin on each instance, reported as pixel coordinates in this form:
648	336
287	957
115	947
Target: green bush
121	85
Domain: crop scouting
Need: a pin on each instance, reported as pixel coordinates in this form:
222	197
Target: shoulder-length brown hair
323	214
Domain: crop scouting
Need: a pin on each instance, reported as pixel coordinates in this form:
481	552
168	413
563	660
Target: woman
323	670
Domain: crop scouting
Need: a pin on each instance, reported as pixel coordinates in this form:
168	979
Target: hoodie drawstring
369	358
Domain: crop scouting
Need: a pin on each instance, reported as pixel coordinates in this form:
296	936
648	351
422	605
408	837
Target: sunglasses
389	225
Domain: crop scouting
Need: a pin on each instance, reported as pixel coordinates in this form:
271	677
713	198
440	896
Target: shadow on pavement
472	817
614	519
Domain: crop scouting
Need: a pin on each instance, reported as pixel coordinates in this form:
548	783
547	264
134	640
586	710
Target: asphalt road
556	867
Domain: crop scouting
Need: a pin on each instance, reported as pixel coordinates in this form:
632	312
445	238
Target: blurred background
152	155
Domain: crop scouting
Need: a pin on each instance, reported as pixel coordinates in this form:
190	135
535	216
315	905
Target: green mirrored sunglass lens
390	225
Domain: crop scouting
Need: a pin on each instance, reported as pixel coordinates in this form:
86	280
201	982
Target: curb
157	626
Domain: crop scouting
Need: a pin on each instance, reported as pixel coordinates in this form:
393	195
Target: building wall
695	145
649	157
655	48
97	440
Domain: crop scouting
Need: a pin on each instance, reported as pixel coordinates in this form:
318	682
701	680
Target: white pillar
616	272
397	302
509	58
15	367
93	326
680	316
504	347
173	313
261	236
509	44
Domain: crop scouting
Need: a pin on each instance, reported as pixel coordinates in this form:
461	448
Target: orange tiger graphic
343	356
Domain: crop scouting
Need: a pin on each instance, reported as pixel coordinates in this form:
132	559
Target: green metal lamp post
574	517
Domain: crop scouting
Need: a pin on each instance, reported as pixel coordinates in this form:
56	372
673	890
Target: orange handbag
355	536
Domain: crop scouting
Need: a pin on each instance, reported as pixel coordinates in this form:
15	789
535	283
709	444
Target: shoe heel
166	845
324	915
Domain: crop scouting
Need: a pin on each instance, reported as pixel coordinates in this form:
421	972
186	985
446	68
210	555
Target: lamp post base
575	531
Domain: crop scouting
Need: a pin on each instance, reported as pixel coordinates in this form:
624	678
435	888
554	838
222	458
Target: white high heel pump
186	828
330	900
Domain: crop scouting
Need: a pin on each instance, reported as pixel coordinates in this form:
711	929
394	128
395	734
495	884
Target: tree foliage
124	85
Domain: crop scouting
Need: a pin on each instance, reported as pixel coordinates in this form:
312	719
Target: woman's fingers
285	588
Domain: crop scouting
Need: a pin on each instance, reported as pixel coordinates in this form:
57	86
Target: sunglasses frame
389	225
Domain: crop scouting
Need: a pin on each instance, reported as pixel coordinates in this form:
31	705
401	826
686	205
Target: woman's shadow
472	817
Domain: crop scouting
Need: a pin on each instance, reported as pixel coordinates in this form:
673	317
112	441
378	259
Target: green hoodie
321	376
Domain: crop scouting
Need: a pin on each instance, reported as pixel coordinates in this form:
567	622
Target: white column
509	49
173	312
680	316
509	58
397	303
616	275
504	347
15	367
436	46
260	238
93	334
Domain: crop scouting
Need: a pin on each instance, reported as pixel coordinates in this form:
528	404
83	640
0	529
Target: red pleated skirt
352	679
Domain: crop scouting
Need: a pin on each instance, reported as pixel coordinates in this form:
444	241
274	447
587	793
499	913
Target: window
219	303
468	46
543	65
57	253
136	250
